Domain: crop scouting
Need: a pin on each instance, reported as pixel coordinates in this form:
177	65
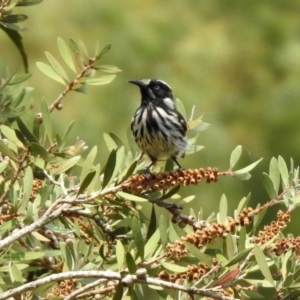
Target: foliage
71	229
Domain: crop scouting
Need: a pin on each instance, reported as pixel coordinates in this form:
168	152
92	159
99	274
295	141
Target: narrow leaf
27	185
26	132
239	257
108	69
248	168
137	236
193	250
180	107
223	210
48	71
283	171
104	79
46	120
103	51
274	174
235	156
130	263
152	244
86	182
174	267
10	134
109	168
6	151
268	184
88	163
120	254
65	54
262	264
152	223
163	230
66	165
56	66
131	197
109	141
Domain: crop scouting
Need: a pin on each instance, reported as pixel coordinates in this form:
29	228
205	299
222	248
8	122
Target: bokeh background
237	61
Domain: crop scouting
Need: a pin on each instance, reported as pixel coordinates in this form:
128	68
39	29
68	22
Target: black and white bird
158	128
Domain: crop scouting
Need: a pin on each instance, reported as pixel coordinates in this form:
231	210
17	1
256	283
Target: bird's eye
156	87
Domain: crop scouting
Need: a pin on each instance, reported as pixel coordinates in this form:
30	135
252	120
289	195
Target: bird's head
155	90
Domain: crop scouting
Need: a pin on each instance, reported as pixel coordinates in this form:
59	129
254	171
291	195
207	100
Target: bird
157	126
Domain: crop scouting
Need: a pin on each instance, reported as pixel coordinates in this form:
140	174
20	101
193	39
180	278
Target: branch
128	280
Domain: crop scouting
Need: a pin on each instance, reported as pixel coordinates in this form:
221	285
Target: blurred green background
237	61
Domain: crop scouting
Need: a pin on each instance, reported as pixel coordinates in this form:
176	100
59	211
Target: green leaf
130	263
262	264
27	186
88	163
68	130
131	197
65	54
6	151
83	48
230	246
56	66
30	255
28	2
194	251
248	168
268	184
13	18
242	204
46	120
119	292
120	254
283	171
170	193
109	141
193	148
258	219
239	257
38	150
235	156
163	230
3	165
26	132
104	79
86	182
11	136
222	216
95	180
108	69
274	174
14	273
152	244
48	71
67	257
152	223
103	51
244	176
116	139
66	165
83	88
109	168
174	267
73	46
137	236
180	107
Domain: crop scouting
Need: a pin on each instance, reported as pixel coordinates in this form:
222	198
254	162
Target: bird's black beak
139	83
145	91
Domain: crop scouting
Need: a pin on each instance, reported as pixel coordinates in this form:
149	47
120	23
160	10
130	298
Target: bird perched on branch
158	128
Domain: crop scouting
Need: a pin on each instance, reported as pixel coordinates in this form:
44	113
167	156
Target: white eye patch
145	81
